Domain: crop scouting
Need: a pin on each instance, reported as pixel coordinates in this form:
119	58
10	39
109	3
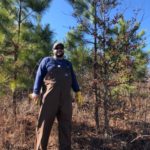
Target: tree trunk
96	113
105	104
106	120
16	49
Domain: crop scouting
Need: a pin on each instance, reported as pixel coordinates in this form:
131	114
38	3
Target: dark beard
59	55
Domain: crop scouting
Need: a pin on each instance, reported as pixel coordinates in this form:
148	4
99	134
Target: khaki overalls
56	102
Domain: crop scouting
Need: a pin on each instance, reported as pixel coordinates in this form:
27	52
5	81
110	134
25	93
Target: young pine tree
22	40
116	47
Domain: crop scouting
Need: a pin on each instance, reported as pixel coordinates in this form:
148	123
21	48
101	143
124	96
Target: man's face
59	51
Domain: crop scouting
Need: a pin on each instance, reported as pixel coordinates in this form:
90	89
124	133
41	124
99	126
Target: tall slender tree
16	27
117	47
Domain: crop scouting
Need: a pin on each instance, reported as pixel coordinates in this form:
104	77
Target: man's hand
79	98
34	97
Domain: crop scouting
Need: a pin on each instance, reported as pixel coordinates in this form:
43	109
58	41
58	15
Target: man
58	77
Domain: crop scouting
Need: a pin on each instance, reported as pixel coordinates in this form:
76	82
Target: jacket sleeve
41	72
75	85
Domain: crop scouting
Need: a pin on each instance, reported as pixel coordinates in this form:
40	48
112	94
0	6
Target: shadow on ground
84	138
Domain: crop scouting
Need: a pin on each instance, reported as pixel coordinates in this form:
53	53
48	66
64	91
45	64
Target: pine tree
80	57
117	50
22	40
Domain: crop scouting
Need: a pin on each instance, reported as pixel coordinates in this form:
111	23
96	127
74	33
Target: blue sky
58	15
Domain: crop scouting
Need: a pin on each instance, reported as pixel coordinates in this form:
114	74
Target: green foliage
119	42
80	57
22	42
2	37
37	5
13	85
74	39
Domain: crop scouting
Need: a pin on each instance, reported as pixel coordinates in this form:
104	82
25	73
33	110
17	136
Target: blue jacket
45	66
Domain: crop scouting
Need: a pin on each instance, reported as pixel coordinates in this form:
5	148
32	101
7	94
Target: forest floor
18	133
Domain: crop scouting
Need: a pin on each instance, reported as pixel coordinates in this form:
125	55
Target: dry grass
18	133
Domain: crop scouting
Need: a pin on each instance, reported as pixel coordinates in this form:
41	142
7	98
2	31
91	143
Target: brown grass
18	133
